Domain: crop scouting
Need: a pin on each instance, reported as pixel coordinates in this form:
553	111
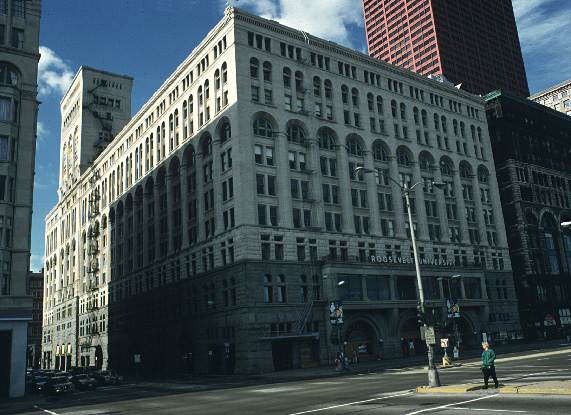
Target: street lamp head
566	225
439	185
340	283
362	169
456	276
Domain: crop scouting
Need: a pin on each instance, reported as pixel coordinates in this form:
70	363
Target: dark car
37	384
58	385
83	381
107	377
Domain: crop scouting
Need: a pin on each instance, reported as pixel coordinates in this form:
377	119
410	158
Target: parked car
58	385
107	377
37	384
83	381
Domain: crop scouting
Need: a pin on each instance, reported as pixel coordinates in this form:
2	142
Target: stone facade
35	289
557	97
19	55
532	153
227	210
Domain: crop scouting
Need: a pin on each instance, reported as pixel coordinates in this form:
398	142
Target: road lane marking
45	410
351	403
279	389
490	410
436	408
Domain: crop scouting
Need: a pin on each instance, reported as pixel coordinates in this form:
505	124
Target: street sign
336	313
444	343
429	335
453	308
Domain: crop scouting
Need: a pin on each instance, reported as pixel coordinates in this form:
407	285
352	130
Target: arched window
462	129
425	161
287	77
206	146
206	89
380	153
370	102
380	105
394	108
316	86
455	127
483	174
190	104
444	125
446	167
263	127
254	68
436	122
403	111
224	73
217	80
328	89
345	94
473	132
295	133
479	134
225	132
326	139
298	81
9	74
354	146
416	116
267	69
200	97
403	157
465	170
424	116
355	97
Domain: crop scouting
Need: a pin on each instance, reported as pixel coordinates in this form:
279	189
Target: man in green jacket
488	367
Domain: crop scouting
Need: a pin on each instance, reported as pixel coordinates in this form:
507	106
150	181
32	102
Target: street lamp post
433	378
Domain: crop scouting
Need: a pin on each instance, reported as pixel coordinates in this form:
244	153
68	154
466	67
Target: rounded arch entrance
98	357
362	340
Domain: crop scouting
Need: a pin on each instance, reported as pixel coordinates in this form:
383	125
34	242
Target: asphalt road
386	392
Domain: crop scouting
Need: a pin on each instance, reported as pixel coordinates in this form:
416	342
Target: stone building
557	97
532	151
35	289
19	56
212	232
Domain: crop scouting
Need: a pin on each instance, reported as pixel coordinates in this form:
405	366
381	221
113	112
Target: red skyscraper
473	42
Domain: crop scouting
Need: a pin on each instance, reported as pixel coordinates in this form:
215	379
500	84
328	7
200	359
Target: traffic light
420	314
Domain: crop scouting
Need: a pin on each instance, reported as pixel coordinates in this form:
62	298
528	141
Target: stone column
441	205
184	202
282	181
199	198
461	208
400	229
145	227
217	186
372	199
422	222
345	190
157	221
479	211
170	180
313	162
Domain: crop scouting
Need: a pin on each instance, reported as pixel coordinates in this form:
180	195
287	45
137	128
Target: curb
520	390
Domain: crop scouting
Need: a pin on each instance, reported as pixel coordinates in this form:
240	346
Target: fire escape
92	286
105	118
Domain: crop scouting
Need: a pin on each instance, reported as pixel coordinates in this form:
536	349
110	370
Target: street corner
543	388
464	388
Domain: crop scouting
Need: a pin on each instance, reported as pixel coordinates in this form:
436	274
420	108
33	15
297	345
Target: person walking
488	365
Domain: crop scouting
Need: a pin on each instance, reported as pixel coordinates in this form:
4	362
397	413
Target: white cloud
328	19
54	75
41	132
544	32
36	262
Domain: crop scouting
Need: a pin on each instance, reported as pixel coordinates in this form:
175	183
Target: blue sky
147	39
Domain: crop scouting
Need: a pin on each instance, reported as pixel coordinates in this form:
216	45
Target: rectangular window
4	144
17	38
